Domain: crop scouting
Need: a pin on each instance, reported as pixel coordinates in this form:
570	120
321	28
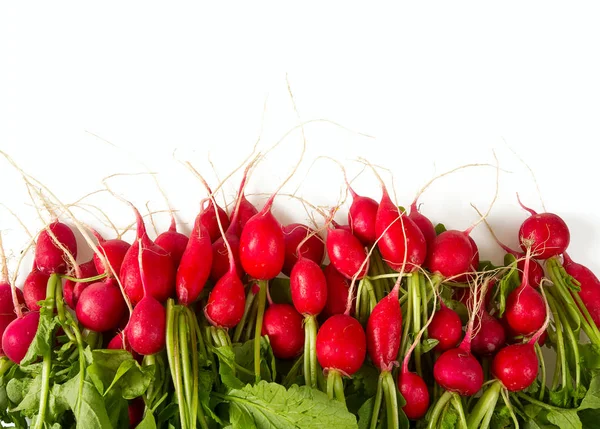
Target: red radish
7	310
173	242
101	306
308	286
490	336
114	250
362	217
244	210
72	290
415	393
283	324
451	254
147	324
312	248
347	253
49	258
208	218
446	327
160	273
525	307
423	223
546	233
338	289
194	268
590	286
384	331
135	411
18	336
341	344
119	342
401	242
34	289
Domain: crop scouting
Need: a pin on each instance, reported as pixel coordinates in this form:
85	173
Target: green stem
60	311
377	404
5	365
86	280
262	300
250	324
424	302
197	411
174	357
486	401
436	411
560	346
237	334
462	419
589	326
383	276
539	403
310	351
293	372
404	345
510	408
358	309
574	347
185	362
338	388
330	384
391	400
415	286
79	341
540	356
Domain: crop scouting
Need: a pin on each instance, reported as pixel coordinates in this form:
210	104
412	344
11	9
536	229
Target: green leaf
44	337
449	419
92	411
118	368
148	422
439	228
30	402
365	412
279	288
270	405
501	418
564	419
428	345
17	388
591	399
589	418
508	283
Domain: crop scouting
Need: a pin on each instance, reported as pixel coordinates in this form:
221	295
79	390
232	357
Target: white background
436	85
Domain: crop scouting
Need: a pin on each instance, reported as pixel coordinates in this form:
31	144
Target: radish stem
262	299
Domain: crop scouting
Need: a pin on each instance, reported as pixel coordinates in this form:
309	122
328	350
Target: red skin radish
262	245
114	250
313	248
72	290
590	286
135	409
146	328
546	233
536	272
445	327
490	337
341	344
458	371
220	258
423	223
18	336
160	273
525	310
362	218
347	253
173	242
516	366
245	212
120	342
283	324
308	286
384	331
400	239
451	254
338	289
101	306
208	218
226	302
194	268
415	393
7	311
49	258
34	289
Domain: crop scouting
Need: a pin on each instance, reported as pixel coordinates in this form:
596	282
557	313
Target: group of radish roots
396	293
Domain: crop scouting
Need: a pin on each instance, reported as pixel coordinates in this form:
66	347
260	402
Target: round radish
18	336
347	253
114	250
49	258
173	242
338	289
416	394
283	324
516	366
226	302
384	331
34	289
525	310
451	254
490	336
146	328
160	273
312	248
72	290
458	371
308	286
423	223
362	218
546	233
101	306
341	344
590	286
7	310
446	327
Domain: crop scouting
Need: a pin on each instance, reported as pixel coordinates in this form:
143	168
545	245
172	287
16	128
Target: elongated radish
347	253
423	223
18	336
208	218
160	273
546	233
362	217
283	324
100	306
71	289
338	289
173	242
384	331
312	248
446	327
114	251
590	286
34	289
49	257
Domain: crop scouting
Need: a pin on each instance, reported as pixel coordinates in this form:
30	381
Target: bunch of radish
389	320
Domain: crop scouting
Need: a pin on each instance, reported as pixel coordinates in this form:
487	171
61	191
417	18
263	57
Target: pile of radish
383	320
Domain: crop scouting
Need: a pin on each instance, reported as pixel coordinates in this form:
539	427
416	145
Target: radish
146	328
120	342
362	217
100	306
308	287
19	335
525	308
11	298
423	223
208	219
34	289
160	273
114	250
451	254
490	336
590	286
338	289
194	268
312	248
546	233
72	290
135	411
283	324
173	242
49	257
347	253
446	327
